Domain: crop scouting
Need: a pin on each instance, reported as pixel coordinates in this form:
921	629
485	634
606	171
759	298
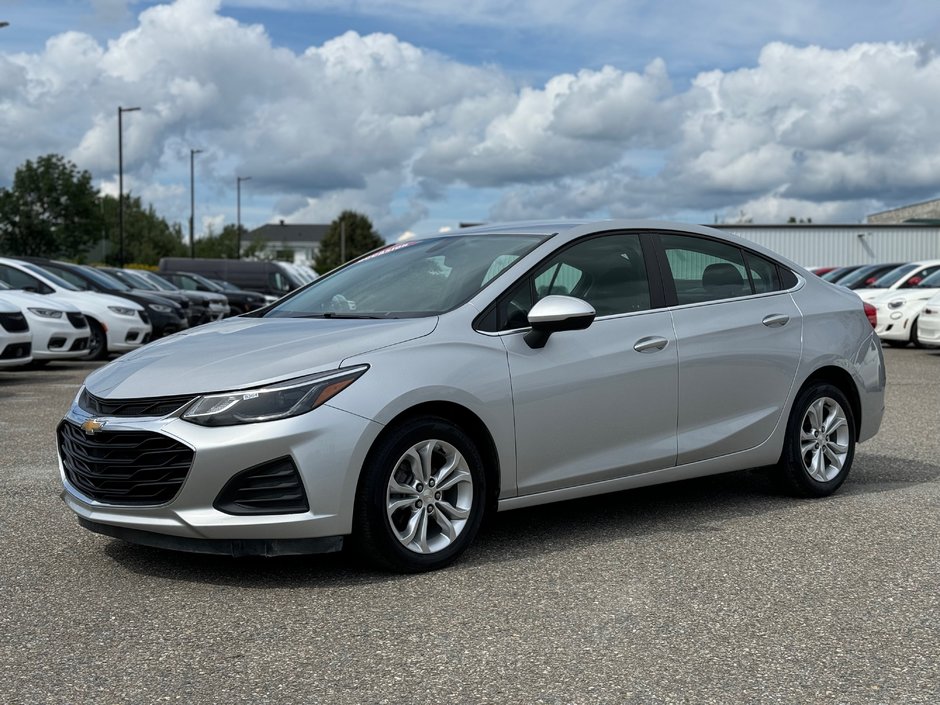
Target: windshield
49	276
417	278
157	281
931	282
892	277
104	280
861	274
837	273
132	280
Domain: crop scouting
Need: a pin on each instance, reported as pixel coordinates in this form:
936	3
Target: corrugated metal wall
841	245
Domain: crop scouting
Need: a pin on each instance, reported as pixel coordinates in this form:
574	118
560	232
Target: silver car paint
245	352
442	359
617	406
726	352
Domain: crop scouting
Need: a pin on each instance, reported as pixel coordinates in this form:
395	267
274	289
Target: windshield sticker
392	248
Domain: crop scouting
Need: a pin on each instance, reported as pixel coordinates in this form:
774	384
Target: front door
600	403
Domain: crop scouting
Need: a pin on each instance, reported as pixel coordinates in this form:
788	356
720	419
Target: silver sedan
393	403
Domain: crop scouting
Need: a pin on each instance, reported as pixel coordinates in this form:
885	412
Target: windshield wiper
350	314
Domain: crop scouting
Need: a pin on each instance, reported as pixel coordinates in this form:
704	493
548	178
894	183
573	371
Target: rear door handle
651	344
775	320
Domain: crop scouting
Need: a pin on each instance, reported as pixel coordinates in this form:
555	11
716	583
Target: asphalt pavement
716	590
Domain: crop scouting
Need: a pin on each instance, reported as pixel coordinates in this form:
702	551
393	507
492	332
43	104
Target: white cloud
377	124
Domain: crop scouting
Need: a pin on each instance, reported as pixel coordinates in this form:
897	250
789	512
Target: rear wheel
97	341
820	442
421	497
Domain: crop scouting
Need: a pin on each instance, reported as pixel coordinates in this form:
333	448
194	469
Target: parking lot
716	590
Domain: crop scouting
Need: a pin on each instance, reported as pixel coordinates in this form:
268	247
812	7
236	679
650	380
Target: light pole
238	213
121	112
192	200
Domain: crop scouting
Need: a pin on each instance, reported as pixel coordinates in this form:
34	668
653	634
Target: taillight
872	314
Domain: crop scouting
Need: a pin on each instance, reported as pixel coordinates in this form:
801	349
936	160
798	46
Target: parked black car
272	278
239	300
218	304
196	306
165	316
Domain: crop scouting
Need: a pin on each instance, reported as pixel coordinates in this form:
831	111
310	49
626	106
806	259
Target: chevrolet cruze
393	403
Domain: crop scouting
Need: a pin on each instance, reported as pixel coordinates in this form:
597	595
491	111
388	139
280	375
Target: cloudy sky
423	113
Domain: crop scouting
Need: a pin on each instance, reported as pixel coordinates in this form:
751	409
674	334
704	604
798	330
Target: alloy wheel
429	496
824	439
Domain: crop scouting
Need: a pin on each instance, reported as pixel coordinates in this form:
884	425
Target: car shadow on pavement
691	506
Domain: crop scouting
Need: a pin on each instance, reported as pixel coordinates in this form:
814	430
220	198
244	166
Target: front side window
891	278
20	280
608	272
409	279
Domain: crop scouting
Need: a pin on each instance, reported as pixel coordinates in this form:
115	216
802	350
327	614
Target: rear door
739	338
600	403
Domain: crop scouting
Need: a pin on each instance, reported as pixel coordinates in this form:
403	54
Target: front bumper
327	445
127	333
893	324
928	330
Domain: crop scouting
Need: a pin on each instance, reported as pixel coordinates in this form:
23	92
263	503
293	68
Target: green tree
51	210
360	238
147	236
219	246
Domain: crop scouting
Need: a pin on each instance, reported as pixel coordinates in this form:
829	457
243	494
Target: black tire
791	469
97	341
373	538
914	337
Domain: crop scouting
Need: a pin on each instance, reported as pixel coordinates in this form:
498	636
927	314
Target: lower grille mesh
123	467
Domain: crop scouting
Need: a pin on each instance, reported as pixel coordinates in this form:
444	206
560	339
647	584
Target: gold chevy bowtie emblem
92	426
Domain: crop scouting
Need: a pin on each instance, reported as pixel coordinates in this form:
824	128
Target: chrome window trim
800	282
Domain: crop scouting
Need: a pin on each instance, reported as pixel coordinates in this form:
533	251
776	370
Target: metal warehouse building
841	245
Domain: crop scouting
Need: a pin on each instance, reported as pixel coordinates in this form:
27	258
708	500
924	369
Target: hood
870	295
246	352
27	299
84	299
906	295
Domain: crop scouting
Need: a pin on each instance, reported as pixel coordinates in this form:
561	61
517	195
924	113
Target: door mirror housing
557	313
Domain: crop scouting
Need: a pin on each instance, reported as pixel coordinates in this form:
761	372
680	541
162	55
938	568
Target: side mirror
557	313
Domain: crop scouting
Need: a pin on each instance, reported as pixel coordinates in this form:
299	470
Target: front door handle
775	320
651	344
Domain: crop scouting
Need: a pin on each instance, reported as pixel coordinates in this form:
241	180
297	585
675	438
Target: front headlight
122	311
160	308
898	303
277	401
46	312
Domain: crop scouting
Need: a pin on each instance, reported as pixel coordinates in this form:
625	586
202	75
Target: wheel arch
842	380
469	422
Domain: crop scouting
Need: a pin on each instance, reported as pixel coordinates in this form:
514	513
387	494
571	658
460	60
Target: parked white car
116	324
899	311
907	276
928	323
16	340
59	330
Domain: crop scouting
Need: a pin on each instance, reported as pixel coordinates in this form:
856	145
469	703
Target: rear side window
708	270
705	270
764	275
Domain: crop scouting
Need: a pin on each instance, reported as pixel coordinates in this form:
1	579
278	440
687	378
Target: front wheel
820	442
914	337
421	497
97	342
